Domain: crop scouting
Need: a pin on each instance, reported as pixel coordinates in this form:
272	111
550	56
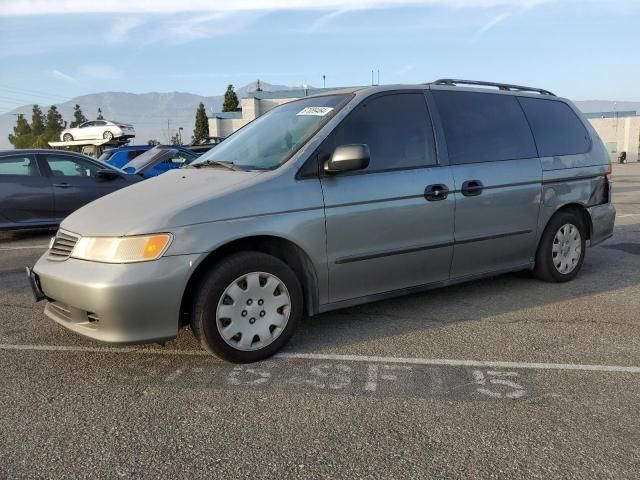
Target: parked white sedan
98	130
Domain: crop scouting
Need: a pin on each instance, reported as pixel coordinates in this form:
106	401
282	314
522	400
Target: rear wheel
107	135
67	137
562	247
247	307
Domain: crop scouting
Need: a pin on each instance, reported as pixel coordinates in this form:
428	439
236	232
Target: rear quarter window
483	127
557	129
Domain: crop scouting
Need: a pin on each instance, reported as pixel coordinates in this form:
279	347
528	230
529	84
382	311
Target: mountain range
155	115
158	115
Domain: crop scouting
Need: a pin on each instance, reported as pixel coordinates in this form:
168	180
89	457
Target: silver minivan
332	201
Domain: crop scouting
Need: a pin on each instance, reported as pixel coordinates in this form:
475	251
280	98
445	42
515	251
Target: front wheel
562	247
247	307
67	137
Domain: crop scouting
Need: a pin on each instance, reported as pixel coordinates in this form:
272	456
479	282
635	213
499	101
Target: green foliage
175	139
20	131
100	117
40	132
78	117
231	102
53	123
201	131
37	121
153	142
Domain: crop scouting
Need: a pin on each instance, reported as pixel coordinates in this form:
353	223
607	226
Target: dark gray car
38	188
331	201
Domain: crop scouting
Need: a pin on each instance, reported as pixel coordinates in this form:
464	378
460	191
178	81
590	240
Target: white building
620	131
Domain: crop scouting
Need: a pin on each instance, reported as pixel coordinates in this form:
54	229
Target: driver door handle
436	192
62	185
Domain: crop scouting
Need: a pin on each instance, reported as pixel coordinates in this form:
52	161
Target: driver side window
64	166
396	127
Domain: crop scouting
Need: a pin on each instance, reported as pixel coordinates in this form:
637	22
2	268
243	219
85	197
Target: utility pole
180	134
168	131
324	83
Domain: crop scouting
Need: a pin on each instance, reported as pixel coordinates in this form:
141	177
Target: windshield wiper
215	163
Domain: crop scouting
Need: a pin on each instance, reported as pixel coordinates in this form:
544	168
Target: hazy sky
54	50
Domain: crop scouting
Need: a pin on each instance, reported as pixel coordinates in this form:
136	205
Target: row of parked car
38	188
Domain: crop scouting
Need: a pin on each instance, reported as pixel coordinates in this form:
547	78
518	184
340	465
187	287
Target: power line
34	92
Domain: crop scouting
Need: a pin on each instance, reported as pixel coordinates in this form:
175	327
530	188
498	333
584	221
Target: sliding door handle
471	188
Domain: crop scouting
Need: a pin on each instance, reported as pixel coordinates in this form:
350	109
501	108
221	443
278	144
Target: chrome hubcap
253	311
567	248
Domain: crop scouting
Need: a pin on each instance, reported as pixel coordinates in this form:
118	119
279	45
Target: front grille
62	245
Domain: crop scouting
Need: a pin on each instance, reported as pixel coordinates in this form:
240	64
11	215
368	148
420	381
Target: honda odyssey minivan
332	201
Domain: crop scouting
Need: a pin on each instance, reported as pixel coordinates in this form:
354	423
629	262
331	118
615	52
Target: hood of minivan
159	204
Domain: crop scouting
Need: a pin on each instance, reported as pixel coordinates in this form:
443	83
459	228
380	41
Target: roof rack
499	86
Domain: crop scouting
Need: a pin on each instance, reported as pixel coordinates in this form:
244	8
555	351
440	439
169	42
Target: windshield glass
273	138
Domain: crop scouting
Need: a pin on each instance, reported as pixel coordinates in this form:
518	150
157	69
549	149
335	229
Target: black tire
545	268
213	285
67	137
107	135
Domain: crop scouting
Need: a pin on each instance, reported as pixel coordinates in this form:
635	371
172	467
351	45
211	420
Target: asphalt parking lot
501	378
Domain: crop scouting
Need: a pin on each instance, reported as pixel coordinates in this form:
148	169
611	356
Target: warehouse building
620	132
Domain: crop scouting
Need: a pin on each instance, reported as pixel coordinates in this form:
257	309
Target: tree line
44	128
47	128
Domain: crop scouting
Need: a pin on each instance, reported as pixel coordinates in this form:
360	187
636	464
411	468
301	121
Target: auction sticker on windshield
317	111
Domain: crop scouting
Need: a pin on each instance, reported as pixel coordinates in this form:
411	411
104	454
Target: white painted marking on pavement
337	357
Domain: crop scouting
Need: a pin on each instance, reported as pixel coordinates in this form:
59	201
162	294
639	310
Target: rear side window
397	129
483	127
557	128
23	165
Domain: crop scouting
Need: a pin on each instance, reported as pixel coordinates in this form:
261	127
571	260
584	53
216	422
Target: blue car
159	160
119	157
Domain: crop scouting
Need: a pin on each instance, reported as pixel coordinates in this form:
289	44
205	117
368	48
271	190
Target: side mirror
106	174
347	158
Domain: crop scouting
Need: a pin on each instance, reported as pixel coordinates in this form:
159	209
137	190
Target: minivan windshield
273	138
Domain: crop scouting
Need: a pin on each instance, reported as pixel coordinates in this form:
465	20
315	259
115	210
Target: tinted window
19	165
397	129
62	166
484	127
557	128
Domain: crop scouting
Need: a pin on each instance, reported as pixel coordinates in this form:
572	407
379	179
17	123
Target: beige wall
621	134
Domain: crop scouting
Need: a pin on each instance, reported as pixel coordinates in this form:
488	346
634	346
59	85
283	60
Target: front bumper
119	303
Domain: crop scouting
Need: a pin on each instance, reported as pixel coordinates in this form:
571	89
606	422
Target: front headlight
122	249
